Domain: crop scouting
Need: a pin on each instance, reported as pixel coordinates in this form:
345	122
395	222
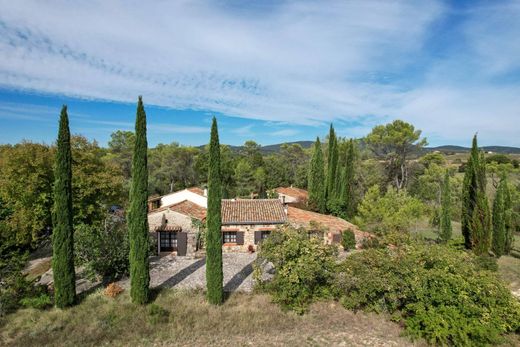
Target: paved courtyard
182	272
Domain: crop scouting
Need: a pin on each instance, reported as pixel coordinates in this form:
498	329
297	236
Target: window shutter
182	243
258	236
240	238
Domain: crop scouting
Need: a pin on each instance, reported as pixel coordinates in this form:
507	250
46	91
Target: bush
15	289
304	267
39	302
440	294
348	240
103	250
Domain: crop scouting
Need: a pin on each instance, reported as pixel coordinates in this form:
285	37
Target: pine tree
137	215
481	226
332	165
499	221
316	179
214	274
63	234
445	222
469	193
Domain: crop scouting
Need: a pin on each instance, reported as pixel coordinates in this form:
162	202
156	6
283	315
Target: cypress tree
445	222
499	221
137	215
508	218
214	274
481	226
332	165
469	193
63	234
316	179
347	187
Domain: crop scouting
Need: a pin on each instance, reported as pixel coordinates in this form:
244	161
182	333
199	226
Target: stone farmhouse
175	221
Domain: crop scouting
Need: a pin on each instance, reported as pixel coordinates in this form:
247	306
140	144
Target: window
265	234
230	237
168	241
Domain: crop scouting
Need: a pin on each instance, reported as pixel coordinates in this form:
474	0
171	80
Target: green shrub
304	267
348	240
103	249
441	294
39	302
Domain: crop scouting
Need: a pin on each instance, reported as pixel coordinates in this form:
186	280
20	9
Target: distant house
292	195
175	221
331	226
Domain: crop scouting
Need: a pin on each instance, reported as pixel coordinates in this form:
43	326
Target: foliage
137	215
473	190
316	180
214	272
481	226
346	190
348	240
332	166
393	211
171	168
96	183
62	236
15	289
394	142
120	146
441	294
103	249
26	179
445	218
304	267
499	220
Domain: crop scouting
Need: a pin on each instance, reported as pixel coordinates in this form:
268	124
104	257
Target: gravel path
182	272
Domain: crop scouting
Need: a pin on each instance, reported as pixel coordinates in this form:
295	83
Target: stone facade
249	242
178	220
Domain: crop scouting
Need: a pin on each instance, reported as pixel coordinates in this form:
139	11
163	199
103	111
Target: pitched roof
185	207
196	190
303	218
300	194
257	211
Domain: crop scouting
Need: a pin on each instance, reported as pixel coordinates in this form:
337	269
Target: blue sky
271	71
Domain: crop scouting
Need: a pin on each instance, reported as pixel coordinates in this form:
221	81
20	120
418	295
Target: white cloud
304	62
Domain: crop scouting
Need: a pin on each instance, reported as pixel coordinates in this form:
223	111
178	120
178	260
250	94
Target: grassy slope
242	320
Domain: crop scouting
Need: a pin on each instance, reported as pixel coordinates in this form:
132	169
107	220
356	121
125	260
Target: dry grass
186	319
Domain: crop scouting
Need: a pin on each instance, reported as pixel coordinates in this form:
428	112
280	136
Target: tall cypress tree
214	274
63	234
316	179
332	165
445	222
499	221
347	187
469	193
137	215
481	226
508	217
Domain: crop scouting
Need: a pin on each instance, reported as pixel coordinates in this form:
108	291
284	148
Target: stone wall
249	236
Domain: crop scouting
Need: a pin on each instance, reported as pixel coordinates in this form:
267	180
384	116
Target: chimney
206	192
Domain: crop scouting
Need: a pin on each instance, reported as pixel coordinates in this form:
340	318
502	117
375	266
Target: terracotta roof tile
303	218
187	208
196	190
257	211
300	194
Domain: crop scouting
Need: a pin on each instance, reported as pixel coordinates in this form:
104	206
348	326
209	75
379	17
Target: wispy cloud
284	132
300	62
